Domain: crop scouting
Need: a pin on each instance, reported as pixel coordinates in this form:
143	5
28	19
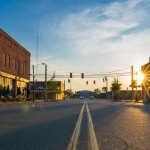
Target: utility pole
136	84
46	82
33	82
64	89
132	77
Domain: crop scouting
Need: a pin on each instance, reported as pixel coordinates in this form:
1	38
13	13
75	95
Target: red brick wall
12	48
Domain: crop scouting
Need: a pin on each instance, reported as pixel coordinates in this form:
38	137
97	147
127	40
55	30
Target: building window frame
4	59
8	61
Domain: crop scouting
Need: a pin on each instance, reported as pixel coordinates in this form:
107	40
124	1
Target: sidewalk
18	103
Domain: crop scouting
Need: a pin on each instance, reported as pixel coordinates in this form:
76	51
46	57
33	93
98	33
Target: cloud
100	29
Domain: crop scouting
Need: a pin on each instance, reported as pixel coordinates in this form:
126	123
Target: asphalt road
75	125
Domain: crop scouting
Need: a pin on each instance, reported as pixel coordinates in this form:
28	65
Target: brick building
14	66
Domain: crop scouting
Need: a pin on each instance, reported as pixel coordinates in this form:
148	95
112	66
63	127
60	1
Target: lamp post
136	84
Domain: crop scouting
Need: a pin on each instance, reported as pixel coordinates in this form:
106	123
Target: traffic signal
103	79
94	81
70	75
86	82
82	75
68	80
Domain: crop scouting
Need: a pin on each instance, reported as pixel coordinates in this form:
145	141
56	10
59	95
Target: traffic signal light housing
70	75
82	75
86	82
68	80
103	79
94	82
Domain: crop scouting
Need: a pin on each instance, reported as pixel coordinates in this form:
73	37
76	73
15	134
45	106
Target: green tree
69	92
96	91
53	85
116	87
104	89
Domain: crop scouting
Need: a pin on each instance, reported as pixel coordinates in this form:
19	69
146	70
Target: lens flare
25	107
140	77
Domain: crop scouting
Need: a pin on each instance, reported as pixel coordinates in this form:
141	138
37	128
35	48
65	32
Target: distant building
39	91
14	66
84	93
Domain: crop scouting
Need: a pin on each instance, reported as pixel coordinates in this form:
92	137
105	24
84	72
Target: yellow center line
76	133
93	140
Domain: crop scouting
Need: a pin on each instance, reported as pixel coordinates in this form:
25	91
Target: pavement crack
126	144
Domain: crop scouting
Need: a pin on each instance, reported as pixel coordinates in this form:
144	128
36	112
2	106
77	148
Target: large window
8	61
4	59
22	68
15	64
18	66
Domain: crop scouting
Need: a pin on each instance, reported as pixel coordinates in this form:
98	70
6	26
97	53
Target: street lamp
34	76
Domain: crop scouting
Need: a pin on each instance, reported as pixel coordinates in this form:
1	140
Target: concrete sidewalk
18	103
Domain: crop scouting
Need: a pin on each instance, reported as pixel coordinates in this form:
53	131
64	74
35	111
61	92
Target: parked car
81	97
92	97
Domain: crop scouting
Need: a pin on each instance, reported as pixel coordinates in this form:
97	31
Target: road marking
76	133
93	140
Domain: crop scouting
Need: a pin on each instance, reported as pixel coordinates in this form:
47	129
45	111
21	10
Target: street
75	125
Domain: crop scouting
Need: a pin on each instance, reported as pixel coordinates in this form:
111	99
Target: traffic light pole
33	82
64	89
46	82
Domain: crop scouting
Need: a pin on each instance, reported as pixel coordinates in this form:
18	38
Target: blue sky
81	36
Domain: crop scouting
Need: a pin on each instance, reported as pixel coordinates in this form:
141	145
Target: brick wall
12	48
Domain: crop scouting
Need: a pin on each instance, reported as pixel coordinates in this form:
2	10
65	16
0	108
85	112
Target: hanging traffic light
68	80
103	79
86	82
94	82
82	75
70	75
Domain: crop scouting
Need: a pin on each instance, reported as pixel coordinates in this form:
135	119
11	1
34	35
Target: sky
81	36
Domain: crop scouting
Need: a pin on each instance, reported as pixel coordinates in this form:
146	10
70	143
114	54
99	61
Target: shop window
8	61
3	80
4	59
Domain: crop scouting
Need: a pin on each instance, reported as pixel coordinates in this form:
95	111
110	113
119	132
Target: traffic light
82	75
86	82
68	80
94	82
103	79
70	75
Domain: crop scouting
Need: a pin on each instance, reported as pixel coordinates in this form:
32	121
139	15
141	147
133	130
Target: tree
115	86
96	91
53	85
69	92
104	89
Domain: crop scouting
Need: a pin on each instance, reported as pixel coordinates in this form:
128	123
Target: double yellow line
74	139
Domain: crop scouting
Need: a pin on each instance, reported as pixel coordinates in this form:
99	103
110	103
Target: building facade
39	91
14	67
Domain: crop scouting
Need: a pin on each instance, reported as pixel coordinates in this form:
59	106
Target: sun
140	77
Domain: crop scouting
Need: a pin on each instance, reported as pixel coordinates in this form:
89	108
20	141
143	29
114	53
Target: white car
81	97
